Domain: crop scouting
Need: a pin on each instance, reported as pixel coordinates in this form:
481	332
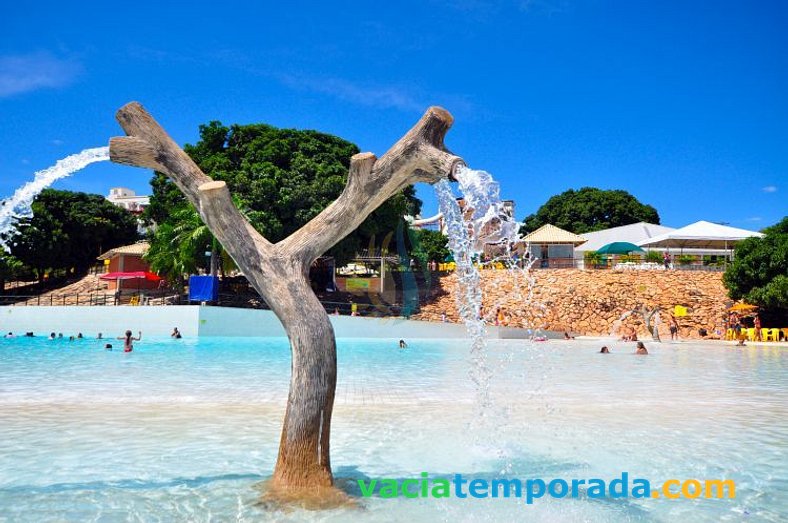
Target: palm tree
177	247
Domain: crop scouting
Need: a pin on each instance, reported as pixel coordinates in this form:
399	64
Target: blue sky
683	104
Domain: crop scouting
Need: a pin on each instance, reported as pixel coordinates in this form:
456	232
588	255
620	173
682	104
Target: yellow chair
730	334
750	334
135	300
770	334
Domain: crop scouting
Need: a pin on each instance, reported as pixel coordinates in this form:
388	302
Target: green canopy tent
619	248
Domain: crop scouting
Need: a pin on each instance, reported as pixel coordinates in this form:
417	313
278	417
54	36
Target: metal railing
90	299
173	298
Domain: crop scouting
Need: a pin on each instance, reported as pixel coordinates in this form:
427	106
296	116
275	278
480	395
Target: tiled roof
135	249
552	234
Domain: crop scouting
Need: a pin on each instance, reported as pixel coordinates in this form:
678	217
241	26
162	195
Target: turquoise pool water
184	430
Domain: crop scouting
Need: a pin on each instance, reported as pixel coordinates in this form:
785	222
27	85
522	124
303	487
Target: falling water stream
482	220
18	206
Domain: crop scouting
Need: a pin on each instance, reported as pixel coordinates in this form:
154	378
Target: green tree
179	245
759	273
430	246
282	178
590	209
11	269
69	230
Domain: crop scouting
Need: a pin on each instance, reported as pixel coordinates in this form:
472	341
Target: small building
128	199
552	247
128	258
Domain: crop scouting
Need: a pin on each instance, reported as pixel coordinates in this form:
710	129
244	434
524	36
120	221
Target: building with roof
128	258
128	199
552	246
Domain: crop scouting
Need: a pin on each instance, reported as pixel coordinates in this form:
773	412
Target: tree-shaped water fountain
279	272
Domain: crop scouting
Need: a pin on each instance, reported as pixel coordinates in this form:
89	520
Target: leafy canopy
590	209
279	178
430	246
759	272
70	230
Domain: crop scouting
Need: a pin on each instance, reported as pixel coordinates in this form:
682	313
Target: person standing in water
128	340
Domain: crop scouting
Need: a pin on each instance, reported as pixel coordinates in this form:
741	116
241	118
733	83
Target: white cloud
754	219
371	95
28	72
770	188
57	141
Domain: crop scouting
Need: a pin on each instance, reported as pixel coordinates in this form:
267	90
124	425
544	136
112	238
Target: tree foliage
11	269
280	178
759	273
179	245
430	246
590	209
70	230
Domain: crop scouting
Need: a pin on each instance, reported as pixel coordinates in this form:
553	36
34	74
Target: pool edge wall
195	320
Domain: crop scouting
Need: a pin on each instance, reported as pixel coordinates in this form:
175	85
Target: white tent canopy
632	233
700	235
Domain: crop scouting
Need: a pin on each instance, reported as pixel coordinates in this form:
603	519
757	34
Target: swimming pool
185	429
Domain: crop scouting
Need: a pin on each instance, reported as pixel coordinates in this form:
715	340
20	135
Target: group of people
128	339
640	349
739	325
628	333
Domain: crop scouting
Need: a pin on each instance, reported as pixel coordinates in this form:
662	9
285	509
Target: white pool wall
195	320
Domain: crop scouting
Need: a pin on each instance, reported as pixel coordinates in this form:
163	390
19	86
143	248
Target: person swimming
641	349
128	340
402	344
604	350
176	334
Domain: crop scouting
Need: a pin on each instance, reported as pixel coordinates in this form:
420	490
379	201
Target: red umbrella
139	275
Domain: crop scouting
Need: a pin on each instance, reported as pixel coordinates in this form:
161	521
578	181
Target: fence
143	299
91	299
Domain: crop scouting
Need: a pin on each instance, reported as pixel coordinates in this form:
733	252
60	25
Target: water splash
482	220
18	206
469	292
483	209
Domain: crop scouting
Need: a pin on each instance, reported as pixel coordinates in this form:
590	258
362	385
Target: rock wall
592	302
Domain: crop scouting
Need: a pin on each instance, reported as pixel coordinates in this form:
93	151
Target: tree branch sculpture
279	272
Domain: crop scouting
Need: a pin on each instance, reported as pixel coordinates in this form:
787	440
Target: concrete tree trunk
279	272
648	316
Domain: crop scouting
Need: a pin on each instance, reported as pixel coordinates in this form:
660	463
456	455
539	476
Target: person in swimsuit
128	346
176	334
641	349
674	328
604	350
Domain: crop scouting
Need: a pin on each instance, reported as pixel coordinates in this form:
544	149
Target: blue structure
203	288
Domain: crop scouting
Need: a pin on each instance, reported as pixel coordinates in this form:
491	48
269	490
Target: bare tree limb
148	145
